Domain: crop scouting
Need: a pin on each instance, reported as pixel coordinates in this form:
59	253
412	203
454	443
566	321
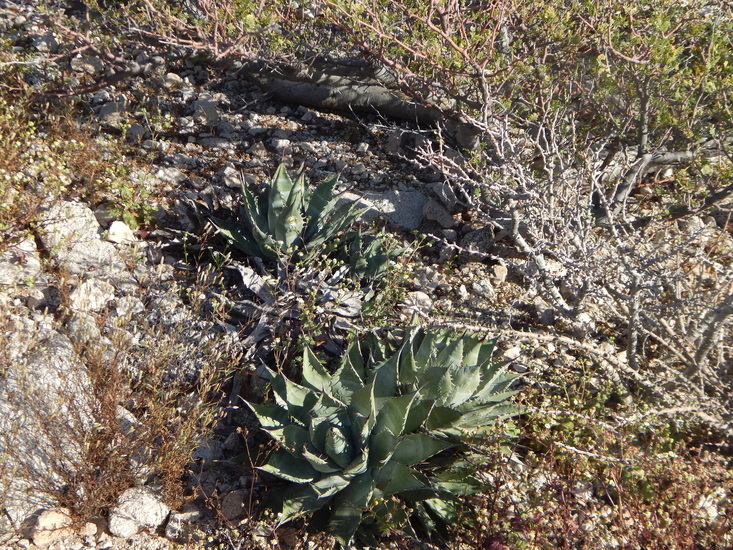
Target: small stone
89	529
417	302
498	274
206	111
51	525
137	509
280	143
45	43
136	132
170	175
92	295
512	353
230	176
545	313
119	232
208	452
112	111
172	81
477	243
182	527
483	289
87	64
258	150
434	211
232	505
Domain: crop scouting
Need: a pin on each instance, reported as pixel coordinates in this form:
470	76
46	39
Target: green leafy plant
288	217
386	434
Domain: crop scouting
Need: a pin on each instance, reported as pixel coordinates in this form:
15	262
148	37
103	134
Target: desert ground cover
384	275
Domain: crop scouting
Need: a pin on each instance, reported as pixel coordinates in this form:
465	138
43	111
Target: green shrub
386	434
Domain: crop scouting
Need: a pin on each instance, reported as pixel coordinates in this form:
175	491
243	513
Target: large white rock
137	509
71	234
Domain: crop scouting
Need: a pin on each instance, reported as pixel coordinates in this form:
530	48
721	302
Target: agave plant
368	256
287	217
383	435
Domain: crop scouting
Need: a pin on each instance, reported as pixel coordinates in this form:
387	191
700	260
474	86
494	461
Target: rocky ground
87	291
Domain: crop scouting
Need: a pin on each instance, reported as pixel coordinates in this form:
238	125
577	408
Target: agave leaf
279	190
329	486
292	216
452	354
408	368
253	209
328	228
299	400
382	445
300	500
363	413
320	204
315	376
445	510
294	438
235	236
290	468
384	377
321	464
423	514
418	415
481	353
359	465
441	418
434	382
393	415
470	486
270	416
394	478
339	447
484	416
426	343
415	448
319	426
269	248
348	507
464	380
496	384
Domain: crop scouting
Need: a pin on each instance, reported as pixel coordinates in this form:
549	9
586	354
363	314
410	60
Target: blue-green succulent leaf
348	508
300	500
315	376
290	468
414	448
338	447
464	381
442	417
394	413
270	416
331	485
279	190
382	445
236	236
293	438
320	463
394	478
